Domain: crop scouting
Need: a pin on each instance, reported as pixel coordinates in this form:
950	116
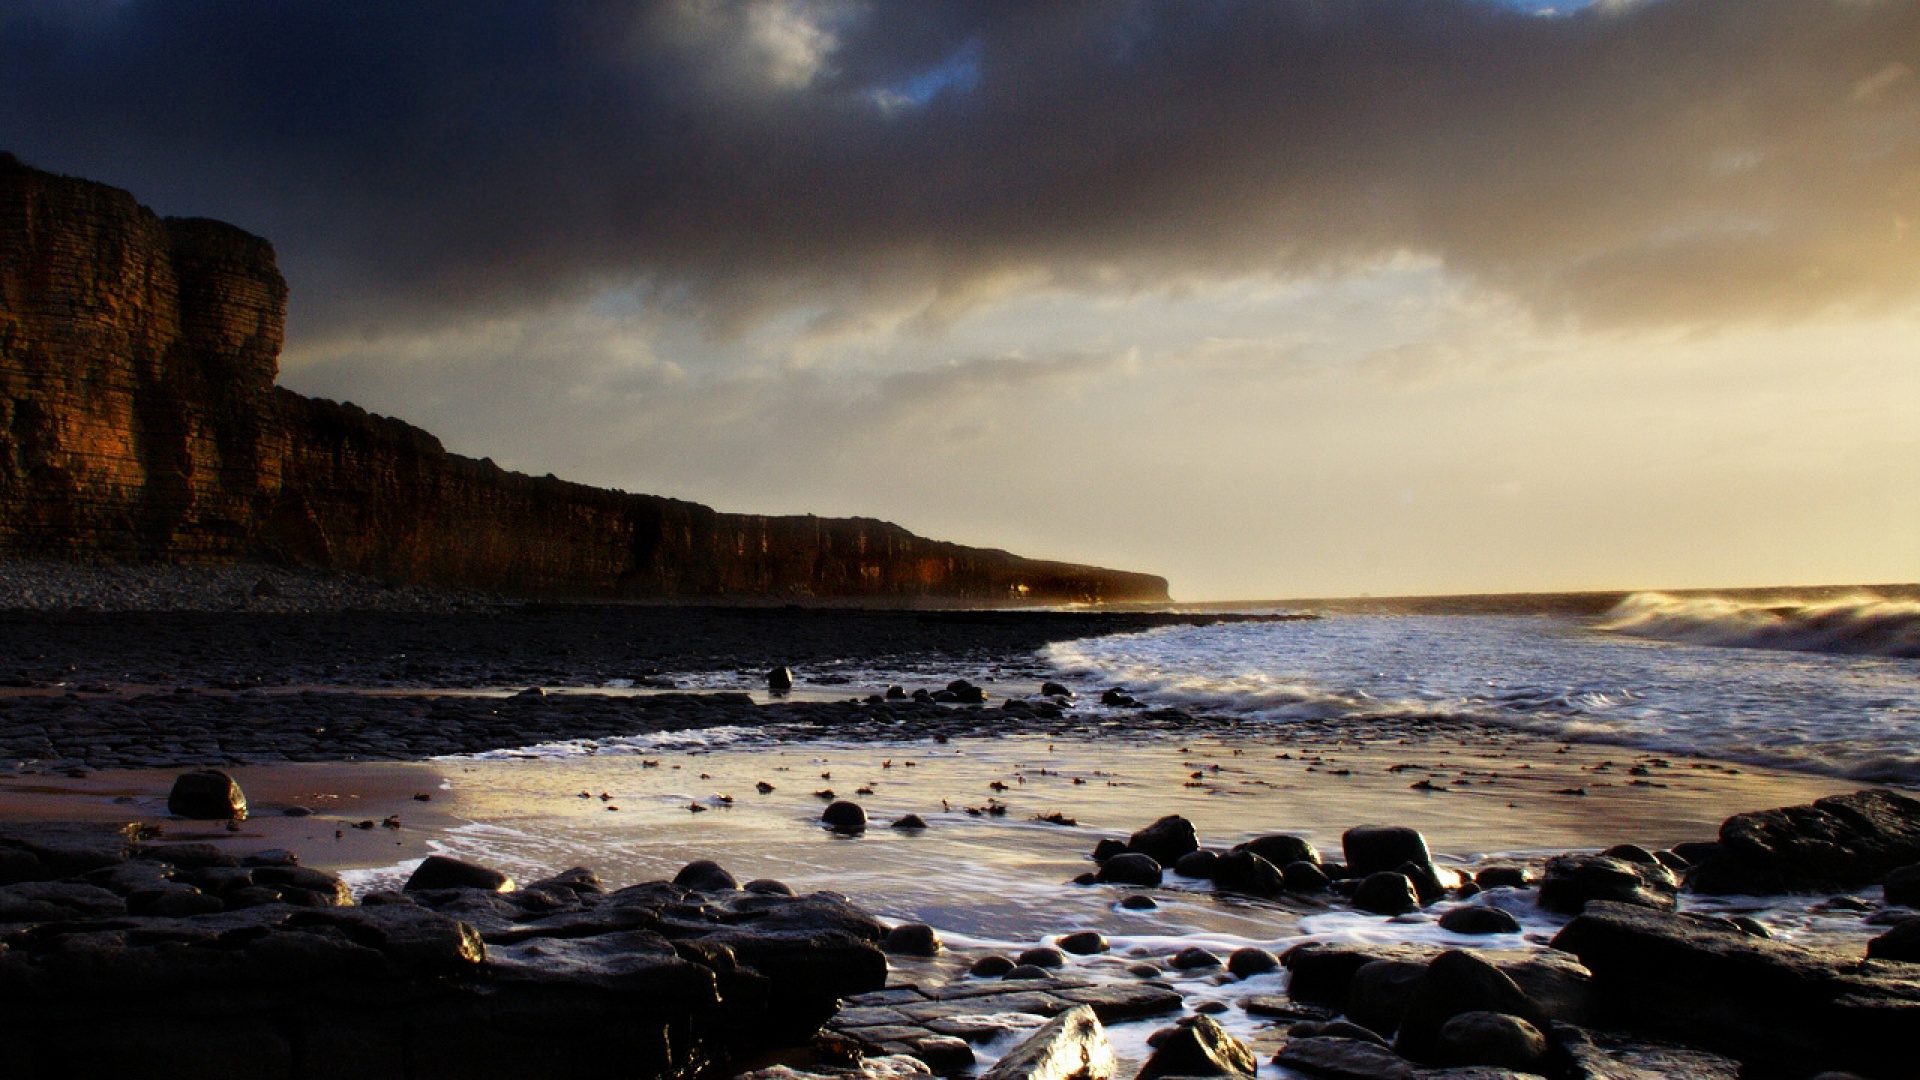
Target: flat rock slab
1752	998
1344	1059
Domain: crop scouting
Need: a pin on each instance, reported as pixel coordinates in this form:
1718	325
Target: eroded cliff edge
141	423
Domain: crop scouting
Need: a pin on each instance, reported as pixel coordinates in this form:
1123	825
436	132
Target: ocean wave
1862	625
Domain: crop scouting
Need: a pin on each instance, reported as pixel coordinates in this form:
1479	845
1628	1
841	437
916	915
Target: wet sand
1497	794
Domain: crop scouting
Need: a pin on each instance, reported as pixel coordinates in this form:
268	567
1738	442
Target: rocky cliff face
140	423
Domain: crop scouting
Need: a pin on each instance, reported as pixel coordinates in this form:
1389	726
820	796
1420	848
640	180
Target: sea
1506	736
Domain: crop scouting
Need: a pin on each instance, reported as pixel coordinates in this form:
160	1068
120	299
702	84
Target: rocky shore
218	964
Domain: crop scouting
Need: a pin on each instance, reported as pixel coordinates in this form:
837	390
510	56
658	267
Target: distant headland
140	423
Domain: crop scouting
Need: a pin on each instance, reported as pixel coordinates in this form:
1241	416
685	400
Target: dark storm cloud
1666	161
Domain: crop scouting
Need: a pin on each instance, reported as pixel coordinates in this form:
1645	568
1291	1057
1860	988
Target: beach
636	741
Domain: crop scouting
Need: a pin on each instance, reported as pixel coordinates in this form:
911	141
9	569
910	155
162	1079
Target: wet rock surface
279	974
1833	844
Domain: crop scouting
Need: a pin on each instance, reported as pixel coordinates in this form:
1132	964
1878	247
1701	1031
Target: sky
1276	298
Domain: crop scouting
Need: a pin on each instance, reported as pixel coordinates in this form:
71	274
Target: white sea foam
1862	625
1839	713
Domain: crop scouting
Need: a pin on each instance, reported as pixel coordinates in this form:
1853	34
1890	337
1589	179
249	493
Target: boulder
1373	848
1713	985
991	966
1165	840
1495	1039
1108	848
1386	892
1247	873
845	818
1193	958
1321	972
1572	881
912	939
1305	877
1902	886
1502	877
1044	956
1380	992
1132	868
1083	943
207	795
1900	943
1196	864
1458	982
441	872
1054	689
1479	919
1071	1046
1199	1047
780	680
1837	843
1282	848
1247	962
1343	1059
705	875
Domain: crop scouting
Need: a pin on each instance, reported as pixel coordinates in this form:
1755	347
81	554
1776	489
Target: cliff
141	423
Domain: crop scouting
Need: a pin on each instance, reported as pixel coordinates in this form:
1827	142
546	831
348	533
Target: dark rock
991	967
321	889
1044	956
912	939
1902	886
768	887
1572	881
1343	1059
1380	992
965	693
780	680
1305	877
1494	1039
1556	983
1249	874
1199	1047
1632	853
1386	892
1838	843
1108	848
52	901
1501	877
1139	902
1429	884
1194	957
1715	986
1054	689
1026	972
1116	1003
705	875
1900	943
1071	1046
1281	849
846	818
1478	919
207	795
1370	849
1321	971
1132	868
1196	864
1165	840
1247	962
944	1054
910	821
1334	1029
1083	943
1458	982
440	872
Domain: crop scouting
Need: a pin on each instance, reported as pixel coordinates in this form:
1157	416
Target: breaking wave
1856	625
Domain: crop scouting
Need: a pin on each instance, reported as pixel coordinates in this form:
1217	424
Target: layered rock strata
140	422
